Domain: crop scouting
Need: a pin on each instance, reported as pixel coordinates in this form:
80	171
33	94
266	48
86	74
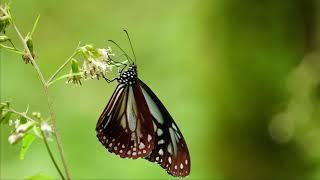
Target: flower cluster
20	130
97	64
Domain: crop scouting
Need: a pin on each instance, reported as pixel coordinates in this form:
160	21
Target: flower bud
24	127
15	137
46	129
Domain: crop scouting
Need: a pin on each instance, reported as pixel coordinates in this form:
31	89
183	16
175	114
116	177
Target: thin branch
34	26
49	102
62	66
63	77
12	49
51	155
21	114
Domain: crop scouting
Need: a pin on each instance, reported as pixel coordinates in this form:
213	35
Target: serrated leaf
26	143
39	176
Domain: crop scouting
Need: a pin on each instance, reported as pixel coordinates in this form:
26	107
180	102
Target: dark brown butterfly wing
170	150
125	127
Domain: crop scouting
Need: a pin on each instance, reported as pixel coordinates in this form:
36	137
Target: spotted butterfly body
135	124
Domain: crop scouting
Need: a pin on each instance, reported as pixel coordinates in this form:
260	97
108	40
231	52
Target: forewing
171	150
125	126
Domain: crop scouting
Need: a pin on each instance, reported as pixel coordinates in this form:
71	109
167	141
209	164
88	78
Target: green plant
86	62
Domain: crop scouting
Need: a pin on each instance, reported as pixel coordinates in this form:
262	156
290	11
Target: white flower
46	129
14	138
94	68
24	127
16	123
105	54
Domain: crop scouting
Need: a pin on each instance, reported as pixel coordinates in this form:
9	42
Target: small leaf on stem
26	143
5	117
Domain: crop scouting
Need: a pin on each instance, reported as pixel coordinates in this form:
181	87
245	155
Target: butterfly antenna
121	50
134	55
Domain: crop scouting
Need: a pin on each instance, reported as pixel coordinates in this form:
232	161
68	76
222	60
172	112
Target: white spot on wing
160	152
149	137
159	132
141	145
161	141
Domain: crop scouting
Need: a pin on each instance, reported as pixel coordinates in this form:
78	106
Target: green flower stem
64	76
51	155
21	114
12	49
61	67
49	102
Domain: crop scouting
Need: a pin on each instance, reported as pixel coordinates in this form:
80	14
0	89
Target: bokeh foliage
233	74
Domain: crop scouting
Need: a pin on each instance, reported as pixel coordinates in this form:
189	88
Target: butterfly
135	124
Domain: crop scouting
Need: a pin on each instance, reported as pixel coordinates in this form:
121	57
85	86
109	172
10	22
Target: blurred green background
240	78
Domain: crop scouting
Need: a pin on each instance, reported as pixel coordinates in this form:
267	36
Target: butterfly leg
116	63
109	80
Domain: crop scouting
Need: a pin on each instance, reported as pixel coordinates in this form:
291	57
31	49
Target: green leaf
39	176
34	26
23	120
4	38
26	143
75	66
5	118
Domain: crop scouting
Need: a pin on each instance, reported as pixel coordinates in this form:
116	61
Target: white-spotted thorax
128	76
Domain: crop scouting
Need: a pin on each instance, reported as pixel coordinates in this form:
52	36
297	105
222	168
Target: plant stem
63	77
50	154
62	66
12	49
43	137
49	102
21	114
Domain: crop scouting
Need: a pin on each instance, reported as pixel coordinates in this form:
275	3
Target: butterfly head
128	76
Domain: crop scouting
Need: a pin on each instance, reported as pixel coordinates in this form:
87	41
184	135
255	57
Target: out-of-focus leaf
23	120
26	143
39	176
5	118
37	131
